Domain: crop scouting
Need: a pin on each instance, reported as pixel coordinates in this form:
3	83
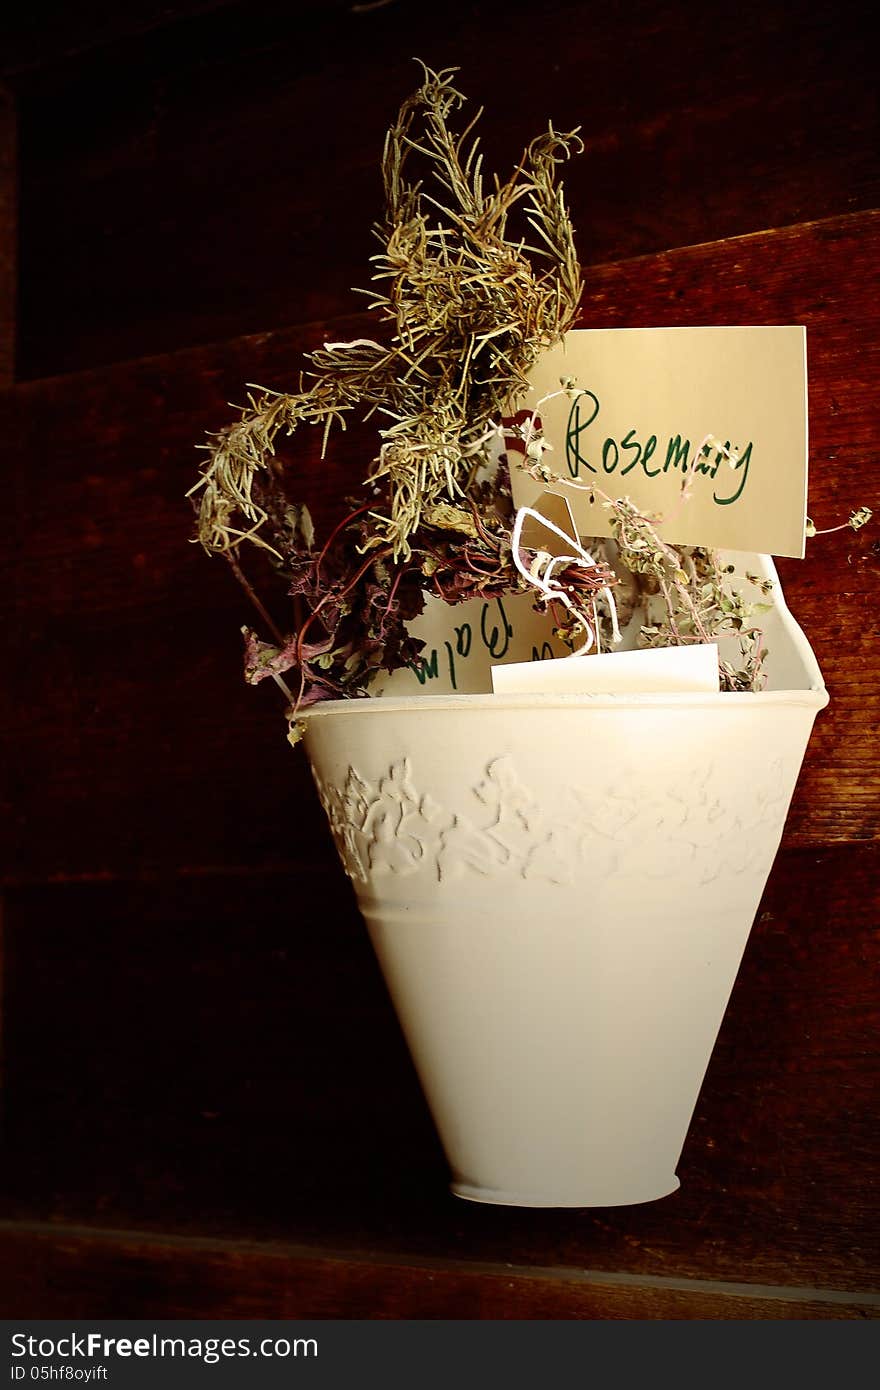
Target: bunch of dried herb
463	308
464	305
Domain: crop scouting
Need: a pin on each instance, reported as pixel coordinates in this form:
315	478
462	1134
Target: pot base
595	1198
492	1197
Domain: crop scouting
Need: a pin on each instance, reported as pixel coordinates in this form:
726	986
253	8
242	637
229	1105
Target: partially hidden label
720	410
463	643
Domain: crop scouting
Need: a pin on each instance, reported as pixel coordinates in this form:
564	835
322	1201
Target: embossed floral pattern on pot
389	827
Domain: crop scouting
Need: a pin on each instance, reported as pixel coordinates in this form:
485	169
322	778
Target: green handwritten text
623	455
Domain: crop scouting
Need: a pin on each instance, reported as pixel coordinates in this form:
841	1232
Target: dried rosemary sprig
469	309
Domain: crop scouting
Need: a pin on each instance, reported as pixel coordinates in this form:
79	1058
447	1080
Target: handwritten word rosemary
622	456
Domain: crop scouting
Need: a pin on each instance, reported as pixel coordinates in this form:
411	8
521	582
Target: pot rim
814	698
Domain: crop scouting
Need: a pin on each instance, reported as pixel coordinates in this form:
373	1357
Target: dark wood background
208	1109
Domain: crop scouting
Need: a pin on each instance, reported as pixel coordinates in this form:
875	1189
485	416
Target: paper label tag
462	643
614	673
651	396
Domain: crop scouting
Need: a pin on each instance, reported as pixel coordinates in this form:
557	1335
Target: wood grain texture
79	1274
218	1057
208	1106
134	747
234	187
8	233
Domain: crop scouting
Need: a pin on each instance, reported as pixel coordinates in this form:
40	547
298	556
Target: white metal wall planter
559	890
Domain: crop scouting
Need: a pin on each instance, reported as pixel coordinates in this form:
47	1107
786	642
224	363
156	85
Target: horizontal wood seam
51	1235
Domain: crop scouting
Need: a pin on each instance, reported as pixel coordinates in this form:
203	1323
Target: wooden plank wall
208	1109
8	234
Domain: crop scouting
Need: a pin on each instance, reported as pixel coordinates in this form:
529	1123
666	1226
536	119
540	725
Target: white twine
540	576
